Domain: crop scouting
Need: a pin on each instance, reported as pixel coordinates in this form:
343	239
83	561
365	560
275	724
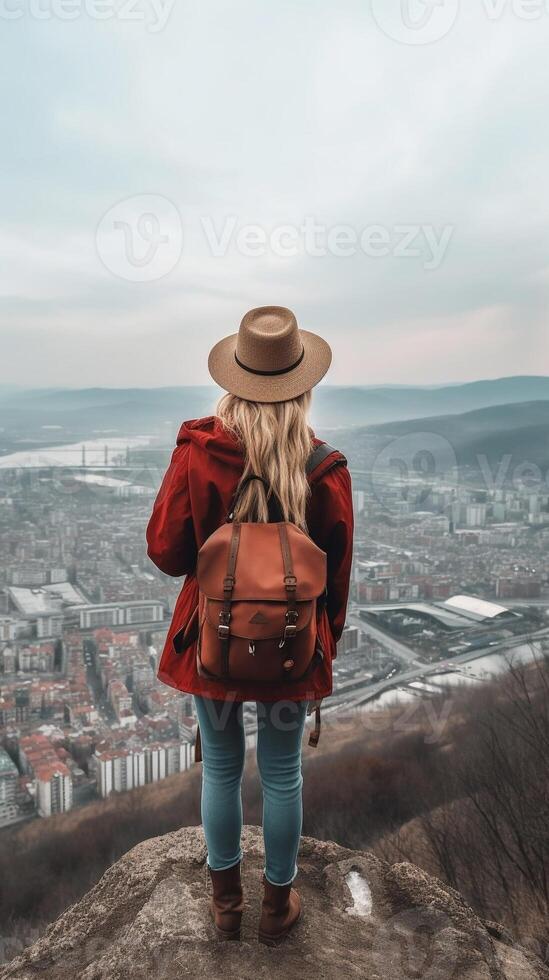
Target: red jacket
193	501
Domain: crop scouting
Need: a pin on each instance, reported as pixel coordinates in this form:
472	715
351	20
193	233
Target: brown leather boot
280	911
227	901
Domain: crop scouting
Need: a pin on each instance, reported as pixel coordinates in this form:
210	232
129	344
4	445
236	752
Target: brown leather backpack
262	587
259	588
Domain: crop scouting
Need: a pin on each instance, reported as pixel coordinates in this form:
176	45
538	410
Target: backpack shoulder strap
319	454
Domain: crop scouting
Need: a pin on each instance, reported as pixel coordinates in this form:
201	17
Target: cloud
267	115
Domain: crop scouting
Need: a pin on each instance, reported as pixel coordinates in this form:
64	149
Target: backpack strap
316	457
315	734
319	454
198	745
290	584
224	630
273	503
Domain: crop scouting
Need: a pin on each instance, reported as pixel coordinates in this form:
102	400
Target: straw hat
270	359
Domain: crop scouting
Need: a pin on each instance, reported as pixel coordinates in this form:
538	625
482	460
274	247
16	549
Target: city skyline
84	615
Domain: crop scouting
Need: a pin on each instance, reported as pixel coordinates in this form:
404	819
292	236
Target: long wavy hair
276	441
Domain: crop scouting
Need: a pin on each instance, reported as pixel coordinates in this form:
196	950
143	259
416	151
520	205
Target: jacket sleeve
171	543
334	519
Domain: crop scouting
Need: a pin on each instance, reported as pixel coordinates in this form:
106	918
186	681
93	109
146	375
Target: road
395	646
348	699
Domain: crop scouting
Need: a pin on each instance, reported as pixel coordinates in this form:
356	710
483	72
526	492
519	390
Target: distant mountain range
371	406
83	413
503	437
481	421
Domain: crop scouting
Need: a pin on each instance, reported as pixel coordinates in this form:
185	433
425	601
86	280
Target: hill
485	436
340	406
468	805
148	918
129	411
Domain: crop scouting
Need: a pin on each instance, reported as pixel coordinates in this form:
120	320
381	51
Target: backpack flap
259	584
258	620
261	573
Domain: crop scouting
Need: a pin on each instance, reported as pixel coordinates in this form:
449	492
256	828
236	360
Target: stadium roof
45	600
66	591
33	602
473	608
446	617
457	612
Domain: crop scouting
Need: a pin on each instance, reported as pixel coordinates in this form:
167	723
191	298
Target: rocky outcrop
148	919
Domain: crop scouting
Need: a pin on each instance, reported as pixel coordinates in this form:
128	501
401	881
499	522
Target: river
71	454
474	672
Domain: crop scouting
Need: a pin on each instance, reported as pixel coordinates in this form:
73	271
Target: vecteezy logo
427	946
408	468
141	238
415	21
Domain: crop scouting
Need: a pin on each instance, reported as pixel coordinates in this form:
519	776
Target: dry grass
470	806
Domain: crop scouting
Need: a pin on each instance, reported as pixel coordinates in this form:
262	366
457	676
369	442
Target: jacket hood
210	436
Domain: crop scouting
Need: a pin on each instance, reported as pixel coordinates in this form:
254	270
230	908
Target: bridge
356	693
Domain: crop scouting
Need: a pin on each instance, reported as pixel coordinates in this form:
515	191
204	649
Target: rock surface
148	918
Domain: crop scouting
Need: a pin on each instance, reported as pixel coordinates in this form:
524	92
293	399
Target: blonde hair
276	441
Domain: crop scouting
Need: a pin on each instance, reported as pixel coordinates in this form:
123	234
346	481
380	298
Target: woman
268	370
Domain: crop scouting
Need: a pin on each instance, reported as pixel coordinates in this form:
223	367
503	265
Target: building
44	609
35	574
475	515
121	701
165	759
119	614
53	788
179	756
49	625
378	570
51	777
8	712
401	591
478	610
372	591
81	715
143	677
8	660
459	612
119	770
518	587
350	640
155	763
37	658
9	628
9	776
28	573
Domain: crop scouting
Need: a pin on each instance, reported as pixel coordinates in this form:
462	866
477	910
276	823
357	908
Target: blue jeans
280	730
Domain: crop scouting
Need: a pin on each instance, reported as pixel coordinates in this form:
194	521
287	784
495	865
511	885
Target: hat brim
228	374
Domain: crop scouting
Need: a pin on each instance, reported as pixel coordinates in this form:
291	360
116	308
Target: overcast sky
137	152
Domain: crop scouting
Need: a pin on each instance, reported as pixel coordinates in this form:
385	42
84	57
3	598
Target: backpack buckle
290	581
228	583
223	628
290	631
